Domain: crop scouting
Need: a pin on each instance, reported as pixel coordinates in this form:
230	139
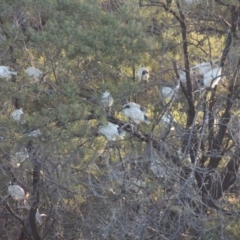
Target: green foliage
89	187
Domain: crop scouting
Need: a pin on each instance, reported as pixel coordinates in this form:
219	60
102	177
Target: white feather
203	67
135	114
16	192
39	216
18	115
107	99
143	74
34	133
182	76
212	77
111	131
5	72
135	105
34	73
19	157
168	120
167	92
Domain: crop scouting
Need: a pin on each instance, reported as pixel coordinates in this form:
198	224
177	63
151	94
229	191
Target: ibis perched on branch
211	78
136	105
111	131
16	191
6	73
38	216
18	115
135	112
107	100
203	67
143	74
169	92
168	119
34	73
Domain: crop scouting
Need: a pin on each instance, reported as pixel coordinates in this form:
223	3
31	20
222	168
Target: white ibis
18	115
111	131
211	78
107	100
203	67
19	157
143	74
136	105
135	113
167	92
5	72
194	78
168	119
16	191
34	133
34	73
39	216
182	76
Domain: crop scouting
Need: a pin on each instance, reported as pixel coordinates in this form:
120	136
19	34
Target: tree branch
34	158
217	142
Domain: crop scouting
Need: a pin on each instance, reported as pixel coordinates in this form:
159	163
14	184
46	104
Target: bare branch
13	213
217	142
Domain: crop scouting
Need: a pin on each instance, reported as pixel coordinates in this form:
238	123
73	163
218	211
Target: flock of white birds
18	193
6	73
14	190
111	131
206	74
32	72
132	110
203	75
18	114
